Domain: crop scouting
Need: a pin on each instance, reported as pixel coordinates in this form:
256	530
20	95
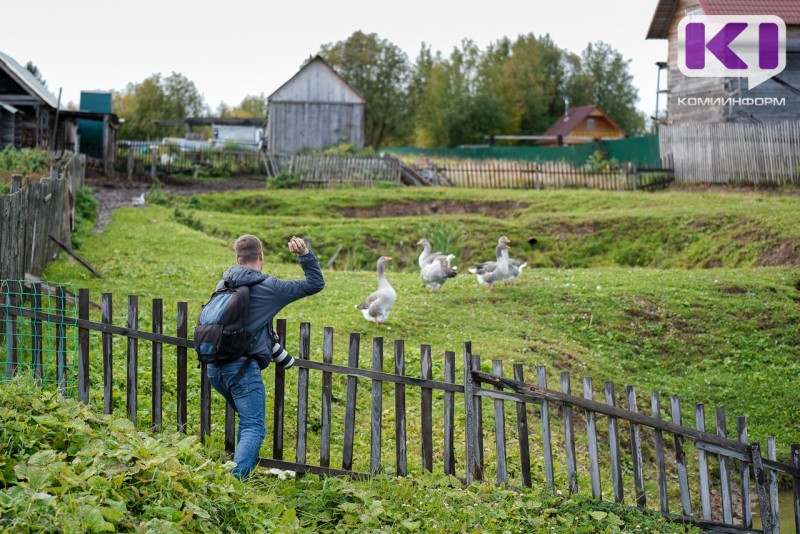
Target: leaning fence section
520	174
403	410
332	170
736	153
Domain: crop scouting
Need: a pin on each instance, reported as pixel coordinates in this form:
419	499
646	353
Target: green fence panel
640	150
38	336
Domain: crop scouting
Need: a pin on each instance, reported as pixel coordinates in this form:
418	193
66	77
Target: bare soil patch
115	194
499	209
562	230
785	253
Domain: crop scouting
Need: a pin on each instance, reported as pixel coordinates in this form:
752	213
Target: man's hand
298	246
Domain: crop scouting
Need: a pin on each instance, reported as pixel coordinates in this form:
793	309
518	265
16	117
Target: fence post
83	347
747	515
449	414
350	403
401	458
61	341
133	360
426	408
12	300
522	432
795	453
767	523
500	428
280	397
636	452
547	445
157	367
724	470
182	332
302	394
470	433
569	436
377	407
108	367
327	399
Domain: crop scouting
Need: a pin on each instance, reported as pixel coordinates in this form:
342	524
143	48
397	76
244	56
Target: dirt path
112	195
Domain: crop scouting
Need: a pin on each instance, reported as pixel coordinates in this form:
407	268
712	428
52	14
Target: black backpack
221	334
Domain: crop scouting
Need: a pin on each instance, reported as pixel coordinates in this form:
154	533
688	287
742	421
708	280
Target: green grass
617	288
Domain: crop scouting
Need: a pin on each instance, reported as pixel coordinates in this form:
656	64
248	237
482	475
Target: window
590	124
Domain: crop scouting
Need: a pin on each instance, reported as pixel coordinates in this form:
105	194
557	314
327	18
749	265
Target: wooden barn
314	110
27	108
687	96
583	124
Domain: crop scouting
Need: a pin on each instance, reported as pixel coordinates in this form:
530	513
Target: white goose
436	272
491	272
378	305
426	256
514	267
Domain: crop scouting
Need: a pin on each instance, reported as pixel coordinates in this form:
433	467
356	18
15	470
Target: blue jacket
269	296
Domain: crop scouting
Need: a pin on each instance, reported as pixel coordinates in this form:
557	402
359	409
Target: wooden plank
205	403
426	408
773	482
133	360
724	471
500	430
547	446
760	476
663	498
795	460
350	403
14	298
522	433
449	414
304	353
470	434
36	335
327	399
569	437
75	255
680	458
705	490
476	365
744	474
279	405
157	368
61	341
182	366
401	455
636	452
377	408
613	445
591	435
108	363
83	347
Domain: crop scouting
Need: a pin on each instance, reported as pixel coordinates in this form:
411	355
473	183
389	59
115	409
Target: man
243	388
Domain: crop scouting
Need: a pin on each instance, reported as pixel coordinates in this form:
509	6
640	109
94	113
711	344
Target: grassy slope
702	334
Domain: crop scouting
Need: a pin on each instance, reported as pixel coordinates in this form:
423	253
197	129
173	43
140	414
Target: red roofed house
726	92
582	125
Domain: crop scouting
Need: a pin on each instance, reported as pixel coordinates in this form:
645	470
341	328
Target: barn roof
575	116
788	10
318	60
28	80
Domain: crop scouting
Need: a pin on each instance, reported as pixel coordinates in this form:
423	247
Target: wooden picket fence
333	170
519	174
716	476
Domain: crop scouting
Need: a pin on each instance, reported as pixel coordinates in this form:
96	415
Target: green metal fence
638	150
38	338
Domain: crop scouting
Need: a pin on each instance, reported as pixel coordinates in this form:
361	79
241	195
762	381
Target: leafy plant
85	215
285	180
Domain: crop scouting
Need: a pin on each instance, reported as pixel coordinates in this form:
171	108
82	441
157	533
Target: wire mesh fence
38	338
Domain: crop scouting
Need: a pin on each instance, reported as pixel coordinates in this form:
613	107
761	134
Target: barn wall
316	83
295	126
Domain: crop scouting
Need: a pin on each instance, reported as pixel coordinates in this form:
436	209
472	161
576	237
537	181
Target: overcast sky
234	48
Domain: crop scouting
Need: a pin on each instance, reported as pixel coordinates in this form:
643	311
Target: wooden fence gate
478	429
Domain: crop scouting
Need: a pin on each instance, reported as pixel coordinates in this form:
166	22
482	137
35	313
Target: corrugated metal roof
788	10
565	125
29	80
662	18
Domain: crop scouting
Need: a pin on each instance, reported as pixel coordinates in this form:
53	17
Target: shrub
285	180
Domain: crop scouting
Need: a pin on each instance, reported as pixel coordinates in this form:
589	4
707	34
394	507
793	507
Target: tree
157	98
603	78
33	69
251	107
379	71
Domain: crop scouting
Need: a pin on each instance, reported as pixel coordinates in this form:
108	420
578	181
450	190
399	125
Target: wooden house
313	110
583	124
729	98
27	108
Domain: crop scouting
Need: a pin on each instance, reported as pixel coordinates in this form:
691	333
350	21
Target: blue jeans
248	398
